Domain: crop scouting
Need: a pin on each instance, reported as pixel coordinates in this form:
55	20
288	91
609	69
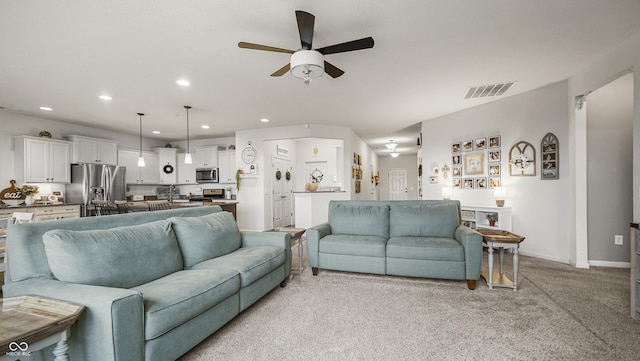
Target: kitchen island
312	208
228	205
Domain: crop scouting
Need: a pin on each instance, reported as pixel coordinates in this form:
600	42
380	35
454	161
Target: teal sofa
154	284
404	238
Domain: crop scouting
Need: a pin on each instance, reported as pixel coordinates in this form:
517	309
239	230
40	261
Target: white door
398	184
287	194
276	189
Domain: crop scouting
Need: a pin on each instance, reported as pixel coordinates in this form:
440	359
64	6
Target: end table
31	323
501	240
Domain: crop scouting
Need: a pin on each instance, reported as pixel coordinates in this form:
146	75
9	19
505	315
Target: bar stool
158	205
122	207
102	208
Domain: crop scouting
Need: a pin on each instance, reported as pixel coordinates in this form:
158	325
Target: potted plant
492	218
29	191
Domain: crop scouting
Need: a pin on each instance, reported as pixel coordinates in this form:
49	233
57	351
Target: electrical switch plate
618	240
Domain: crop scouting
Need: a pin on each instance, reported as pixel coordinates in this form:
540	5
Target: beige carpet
559	313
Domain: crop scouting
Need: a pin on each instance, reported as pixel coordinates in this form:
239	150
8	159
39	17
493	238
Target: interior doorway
282	193
398	184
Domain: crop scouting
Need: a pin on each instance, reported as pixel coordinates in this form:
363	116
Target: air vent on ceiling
490	90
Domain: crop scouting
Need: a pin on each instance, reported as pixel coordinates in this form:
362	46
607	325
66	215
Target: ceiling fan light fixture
307	65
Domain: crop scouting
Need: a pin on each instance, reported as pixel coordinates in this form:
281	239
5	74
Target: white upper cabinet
139	175
227	166
206	157
93	150
186	172
42	160
167	165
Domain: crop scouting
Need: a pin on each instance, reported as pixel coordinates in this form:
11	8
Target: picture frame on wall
467	183
494	170
473	163
455	147
456	160
481	183
457	183
494	182
456	171
494	142
494	155
480	144
467	145
433	180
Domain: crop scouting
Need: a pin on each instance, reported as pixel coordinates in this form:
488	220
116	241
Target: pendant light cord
140	114
187	107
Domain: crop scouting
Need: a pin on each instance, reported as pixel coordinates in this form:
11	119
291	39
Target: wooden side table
501	240
31	323
296	235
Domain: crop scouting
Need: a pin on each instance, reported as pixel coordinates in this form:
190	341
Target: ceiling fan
308	63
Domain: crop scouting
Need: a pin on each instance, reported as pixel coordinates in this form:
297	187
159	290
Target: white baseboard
610	264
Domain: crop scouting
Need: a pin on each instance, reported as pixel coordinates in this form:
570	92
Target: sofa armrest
314	235
278	239
471	240
111	327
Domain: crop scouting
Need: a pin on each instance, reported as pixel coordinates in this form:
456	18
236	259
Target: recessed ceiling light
183	82
46	108
104	97
156	132
264	120
204	126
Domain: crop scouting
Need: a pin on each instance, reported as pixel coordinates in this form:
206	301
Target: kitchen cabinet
227	166
167	169
139	175
186	172
42	160
93	150
206	157
50	213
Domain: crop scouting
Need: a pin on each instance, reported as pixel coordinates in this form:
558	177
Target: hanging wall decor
522	159
550	157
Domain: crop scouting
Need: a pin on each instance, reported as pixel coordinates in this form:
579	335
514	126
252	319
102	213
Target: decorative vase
29	201
492	223
312	187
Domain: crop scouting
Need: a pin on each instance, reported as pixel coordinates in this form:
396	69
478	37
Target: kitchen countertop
7	206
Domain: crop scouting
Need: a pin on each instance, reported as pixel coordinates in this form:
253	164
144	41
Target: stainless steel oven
207	175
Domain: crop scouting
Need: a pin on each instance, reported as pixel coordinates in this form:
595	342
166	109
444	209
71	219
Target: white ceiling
64	54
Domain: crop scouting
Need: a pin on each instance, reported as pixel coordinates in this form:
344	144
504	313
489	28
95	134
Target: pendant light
140	157
187	157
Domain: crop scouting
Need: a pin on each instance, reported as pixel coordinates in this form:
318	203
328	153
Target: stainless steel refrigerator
90	181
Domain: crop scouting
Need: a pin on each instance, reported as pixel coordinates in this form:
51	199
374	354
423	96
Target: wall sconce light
446	193
140	157
499	193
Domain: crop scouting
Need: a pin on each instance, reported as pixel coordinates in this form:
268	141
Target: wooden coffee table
31	323
501	240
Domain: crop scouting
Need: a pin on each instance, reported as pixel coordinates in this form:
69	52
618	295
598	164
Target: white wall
408	162
254	198
539	207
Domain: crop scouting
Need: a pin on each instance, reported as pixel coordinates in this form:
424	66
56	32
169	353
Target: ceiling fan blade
364	43
244	45
282	71
332	70
306	22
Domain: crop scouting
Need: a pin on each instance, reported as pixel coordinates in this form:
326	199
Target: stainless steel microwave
207	175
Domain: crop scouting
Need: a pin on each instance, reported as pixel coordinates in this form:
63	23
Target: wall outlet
618	240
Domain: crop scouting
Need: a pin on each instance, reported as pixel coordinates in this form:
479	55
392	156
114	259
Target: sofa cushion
425	248
359	219
251	262
425	220
172	300
345	244
119	257
206	237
